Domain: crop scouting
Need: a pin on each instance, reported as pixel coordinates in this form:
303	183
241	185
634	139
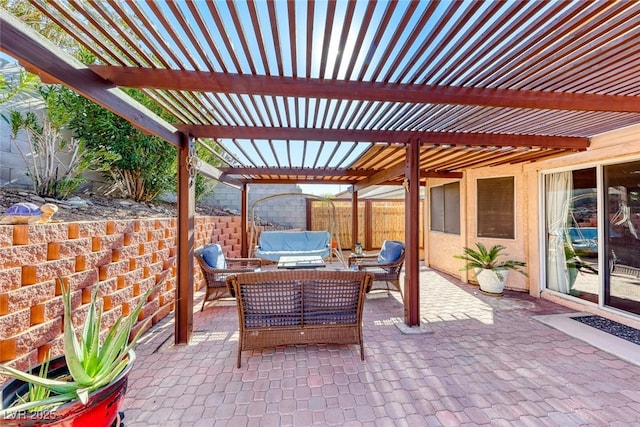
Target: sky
323	189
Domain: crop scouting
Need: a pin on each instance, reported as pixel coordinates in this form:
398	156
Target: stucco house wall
614	147
529	243
442	246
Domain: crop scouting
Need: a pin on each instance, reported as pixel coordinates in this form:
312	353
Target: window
437	208
496	207
445	208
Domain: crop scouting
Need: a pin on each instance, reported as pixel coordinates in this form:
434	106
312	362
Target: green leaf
483	258
57	386
32	405
73	352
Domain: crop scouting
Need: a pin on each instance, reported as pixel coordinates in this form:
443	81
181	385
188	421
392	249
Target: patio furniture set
302	300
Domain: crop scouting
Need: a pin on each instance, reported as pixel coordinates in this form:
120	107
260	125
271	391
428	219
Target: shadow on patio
483	360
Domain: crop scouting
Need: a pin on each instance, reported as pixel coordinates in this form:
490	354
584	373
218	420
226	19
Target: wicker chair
385	265
215	276
292	307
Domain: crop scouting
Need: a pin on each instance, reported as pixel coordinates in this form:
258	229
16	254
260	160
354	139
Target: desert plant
92	363
146	165
54	160
21	83
483	258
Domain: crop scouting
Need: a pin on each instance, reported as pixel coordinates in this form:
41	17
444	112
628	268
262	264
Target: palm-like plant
483	258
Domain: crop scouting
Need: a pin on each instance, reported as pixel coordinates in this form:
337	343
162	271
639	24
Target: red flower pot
100	411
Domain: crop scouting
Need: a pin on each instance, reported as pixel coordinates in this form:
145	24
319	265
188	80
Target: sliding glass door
571	221
622	236
573	225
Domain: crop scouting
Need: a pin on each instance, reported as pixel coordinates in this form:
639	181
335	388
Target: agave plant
483	258
92	363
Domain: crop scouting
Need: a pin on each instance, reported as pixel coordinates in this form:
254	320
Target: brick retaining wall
125	257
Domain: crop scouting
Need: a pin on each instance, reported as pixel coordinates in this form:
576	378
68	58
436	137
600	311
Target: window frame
480	220
445	226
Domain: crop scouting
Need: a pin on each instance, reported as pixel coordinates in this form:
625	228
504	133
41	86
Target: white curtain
559	189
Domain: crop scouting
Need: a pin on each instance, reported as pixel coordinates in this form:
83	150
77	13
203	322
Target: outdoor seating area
296	162
480	360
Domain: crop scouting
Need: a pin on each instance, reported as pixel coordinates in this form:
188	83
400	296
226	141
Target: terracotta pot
490	282
100	411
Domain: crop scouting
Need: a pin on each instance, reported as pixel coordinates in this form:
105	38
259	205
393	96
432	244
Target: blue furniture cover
274	244
390	251
213	256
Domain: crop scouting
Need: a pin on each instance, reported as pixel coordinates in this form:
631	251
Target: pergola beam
389	136
51	64
293	180
215	173
383	178
186	80
440	174
294	171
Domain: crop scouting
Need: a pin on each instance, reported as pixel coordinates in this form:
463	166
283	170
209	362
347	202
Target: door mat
614	328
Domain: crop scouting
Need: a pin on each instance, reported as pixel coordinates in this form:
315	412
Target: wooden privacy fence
378	220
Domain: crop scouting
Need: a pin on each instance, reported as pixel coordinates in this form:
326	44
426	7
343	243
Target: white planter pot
490	282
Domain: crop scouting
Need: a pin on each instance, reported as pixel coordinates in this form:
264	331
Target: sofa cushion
328	304
213	256
277	304
274	244
390	252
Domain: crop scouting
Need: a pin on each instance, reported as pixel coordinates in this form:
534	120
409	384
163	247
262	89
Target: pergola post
244	219
186	215
354	218
412	238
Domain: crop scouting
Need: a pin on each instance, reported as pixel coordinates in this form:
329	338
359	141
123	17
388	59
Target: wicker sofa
274	244
288	307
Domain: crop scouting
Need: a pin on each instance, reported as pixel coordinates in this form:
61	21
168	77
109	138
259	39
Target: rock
94	207
77	202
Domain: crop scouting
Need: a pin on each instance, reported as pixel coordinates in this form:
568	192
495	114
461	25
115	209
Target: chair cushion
390	252
213	256
274	244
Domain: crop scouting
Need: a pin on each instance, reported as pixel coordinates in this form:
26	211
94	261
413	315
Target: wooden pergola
356	93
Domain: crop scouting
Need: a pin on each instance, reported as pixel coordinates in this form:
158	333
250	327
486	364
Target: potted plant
490	272
85	385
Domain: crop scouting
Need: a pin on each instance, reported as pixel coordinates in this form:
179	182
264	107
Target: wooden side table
355	258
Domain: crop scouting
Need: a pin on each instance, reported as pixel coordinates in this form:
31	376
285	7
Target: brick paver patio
483	361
